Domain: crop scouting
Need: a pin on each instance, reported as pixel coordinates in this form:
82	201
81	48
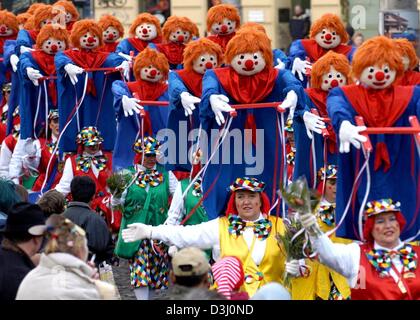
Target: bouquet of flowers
301	199
118	183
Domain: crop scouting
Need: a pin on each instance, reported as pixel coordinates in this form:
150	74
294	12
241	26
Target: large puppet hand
125	67
72	72
24	49
34	75
14	60
313	123
219	103
125	56
300	66
290	101
130	105
349	133
188	101
136	232
297	268
280	64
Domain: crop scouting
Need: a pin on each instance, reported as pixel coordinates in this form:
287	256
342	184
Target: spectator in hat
79	211
23	238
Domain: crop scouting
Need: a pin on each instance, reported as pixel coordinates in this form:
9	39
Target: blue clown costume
13	102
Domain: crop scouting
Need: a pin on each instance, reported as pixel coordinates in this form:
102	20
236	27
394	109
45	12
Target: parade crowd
105	155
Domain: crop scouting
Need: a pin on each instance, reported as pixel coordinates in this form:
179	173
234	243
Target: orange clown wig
149	57
145	18
41	14
249	42
107	21
195	49
35	6
377	51
173	23
217	13
332	22
252	26
331	59
82	27
406	48
23	17
69	8
54	31
9	19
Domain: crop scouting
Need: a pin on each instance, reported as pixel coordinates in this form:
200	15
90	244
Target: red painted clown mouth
379	83
248	69
327	42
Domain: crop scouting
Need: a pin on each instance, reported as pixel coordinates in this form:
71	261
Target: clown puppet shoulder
177	32
185	88
393	164
74	83
250	78
330	71
151	70
410	62
112	31
222	22
327	34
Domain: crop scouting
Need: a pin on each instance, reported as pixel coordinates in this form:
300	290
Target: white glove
172	250
33	75
219	103
125	56
297	268
290	101
14	60
136	232
115	201
300	66
24	49
349	133
188	102
280	64
30	148
125	66
310	223
313	123
130	105
72	72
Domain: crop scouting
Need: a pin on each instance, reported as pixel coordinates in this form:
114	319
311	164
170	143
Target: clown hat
246	183
376	207
149	146
330	172
89	136
53	114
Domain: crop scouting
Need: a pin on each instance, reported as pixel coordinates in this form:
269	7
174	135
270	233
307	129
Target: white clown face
332	79
223	28
89	41
146	31
328	38
248	64
406	62
110	35
204	62
378	77
5	31
180	36
52	46
151	74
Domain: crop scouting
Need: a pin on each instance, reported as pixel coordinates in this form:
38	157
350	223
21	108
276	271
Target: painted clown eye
49	42
371	69
330	76
386	70
203	59
178	32
242	57
211	58
338	75
323	31
229	23
255	57
333	33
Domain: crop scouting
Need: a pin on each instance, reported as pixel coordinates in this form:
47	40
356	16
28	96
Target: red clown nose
144	31
3	29
54	48
249	64
180	38
153	73
224	28
209	65
328	37
334	83
91	40
379	76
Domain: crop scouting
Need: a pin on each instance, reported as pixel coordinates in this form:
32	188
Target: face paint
179	36
110	35
204	62
89	41
52	46
332	79
328	38
151	74
224	28
378	77
248	64
5	31
146	31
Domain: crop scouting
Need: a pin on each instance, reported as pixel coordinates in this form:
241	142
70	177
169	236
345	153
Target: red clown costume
222	22
113	30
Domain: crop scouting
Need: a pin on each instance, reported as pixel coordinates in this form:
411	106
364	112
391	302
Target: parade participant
4	107
96	108
112	31
250	78
151	72
177	32
393	165
144	30
246	231
146	201
327	34
89	161
185	88
410	62
222	22
381	268
22	19
7	147
330	71
71	14
290	149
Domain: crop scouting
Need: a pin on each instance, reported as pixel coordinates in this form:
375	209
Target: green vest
145	207
190	202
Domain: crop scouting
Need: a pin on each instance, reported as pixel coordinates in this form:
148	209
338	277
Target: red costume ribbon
221	40
46	62
192	80
174	52
314	51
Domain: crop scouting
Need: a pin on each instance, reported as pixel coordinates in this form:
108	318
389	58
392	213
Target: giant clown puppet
69	12
85	98
185	88
410	62
327	34
330	71
113	30
222	22
250	78
151	72
393	170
